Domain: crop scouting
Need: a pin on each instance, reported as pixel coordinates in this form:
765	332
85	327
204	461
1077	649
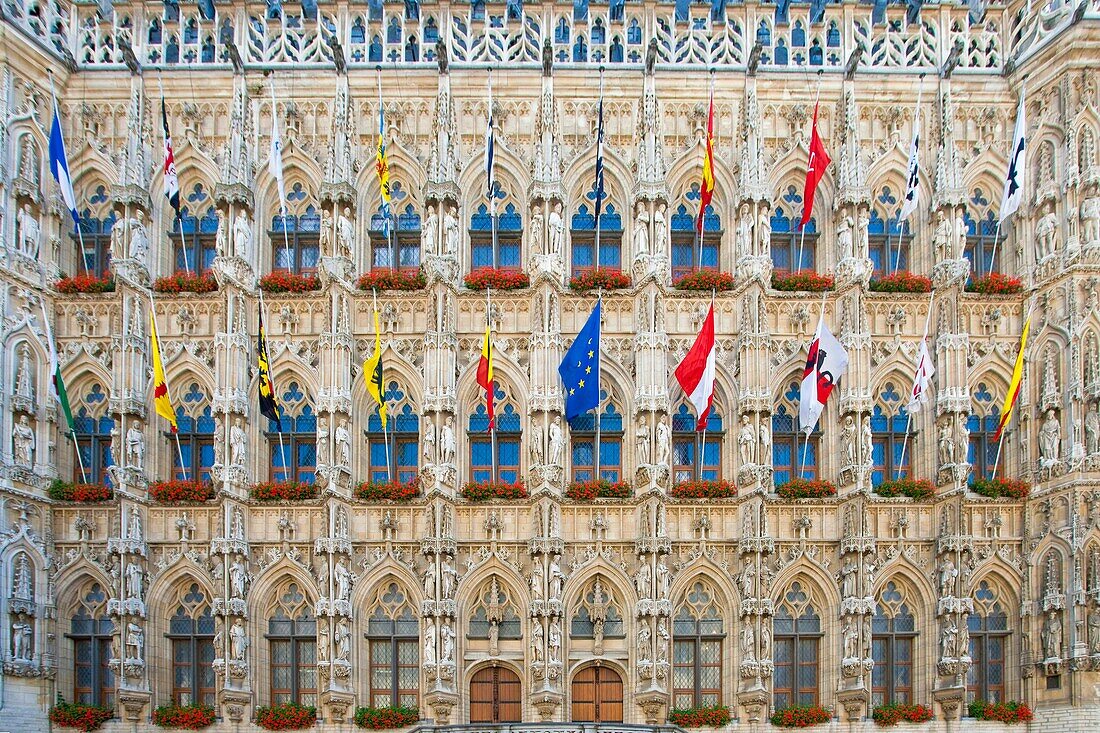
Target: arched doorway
495	696
597	696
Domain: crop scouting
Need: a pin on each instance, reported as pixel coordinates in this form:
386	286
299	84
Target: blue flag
580	369
59	165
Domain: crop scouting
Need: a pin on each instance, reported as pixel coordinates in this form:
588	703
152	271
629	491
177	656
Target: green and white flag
60	392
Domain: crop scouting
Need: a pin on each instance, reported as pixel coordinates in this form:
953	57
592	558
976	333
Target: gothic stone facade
549	608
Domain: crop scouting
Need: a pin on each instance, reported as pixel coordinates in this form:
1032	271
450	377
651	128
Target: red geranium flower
705	280
282	281
714	716
287	716
1003	712
995	488
82	717
395	716
389	490
800	716
487	490
178	491
704	489
803	488
497	279
995	284
188	717
389	279
598	489
887	715
599	278
85	493
901	282
183	282
914	488
803	280
85	284
282	491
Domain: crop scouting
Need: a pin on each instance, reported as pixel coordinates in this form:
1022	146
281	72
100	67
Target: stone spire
753	180
650	172
133	169
547	143
442	184
851	167
237	157
947	187
340	168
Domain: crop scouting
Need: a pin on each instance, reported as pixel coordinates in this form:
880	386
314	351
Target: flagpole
702	212
79	458
909	413
703	448
179	218
175	433
76	225
1001	440
55	364
599	187
386	209
809	167
492	386
806	444
916	139
381	397
490	184
599	301
282	202
1011	163
279	422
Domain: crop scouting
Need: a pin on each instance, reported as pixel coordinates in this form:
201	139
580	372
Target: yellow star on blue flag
581	362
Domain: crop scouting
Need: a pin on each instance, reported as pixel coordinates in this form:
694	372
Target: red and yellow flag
706	192
485	375
161	400
1014	386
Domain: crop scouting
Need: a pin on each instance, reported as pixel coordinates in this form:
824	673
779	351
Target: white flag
275	160
921	379
912	186
825	365
1014	180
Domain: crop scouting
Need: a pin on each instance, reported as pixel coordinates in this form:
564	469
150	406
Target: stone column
547	612
546	400
653	612
128	612
232	647
755	548
334	638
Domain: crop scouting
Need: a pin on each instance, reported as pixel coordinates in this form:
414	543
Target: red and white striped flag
171	180
696	372
825	365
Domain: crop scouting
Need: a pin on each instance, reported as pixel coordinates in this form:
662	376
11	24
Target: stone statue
557	578
345	233
238	578
29	231
135	445
745	580
238	443
538	579
1092	431
851	640
547	58
948	573
868	443
342	637
1050	439
322	641
941	238
219	238
450	232
23	442
748	642
429	442
744	233
238	640
848	578
242	236
23	374
960	235
431	575
1094	630
765	442
450	577
746	441
1046	235
844	237
133	532
641	440
556	442
664	444
135	581
1090	220
663	640
22	647
1052	636
664	579
555	641
643	642
342	576
441	59
948	639
342	437
946	444
641	232
447	442
864	234
642	578
538	636
556	226
429	232
660	231
448	644
763	231
135	641
324	240
236	526
848	435
538	224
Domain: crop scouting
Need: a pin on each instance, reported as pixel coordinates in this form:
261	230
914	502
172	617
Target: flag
976	11
825	365
372	374
598	187
275	159
1014	386
161	399
921	379
1014	180
815	171
490	179
696	372
485	375
171	180
706	192
269	404
912	185
60	393
580	369
382	167
206	9
59	165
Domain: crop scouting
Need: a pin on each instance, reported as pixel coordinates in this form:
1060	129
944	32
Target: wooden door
597	696
495	696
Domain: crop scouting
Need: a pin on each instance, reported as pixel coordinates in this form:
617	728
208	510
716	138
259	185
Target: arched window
500	249
295	239
93	436
292	643
787	240
191	635
196	436
893	634
195	247
508	432
687	444
690	251
395	233
96	223
293	440
790	447
981	451
582	235
90	632
887	237
393	641
494	613
981	233
598	616
697	635
400	459
797	634
582	437
888	421
988	627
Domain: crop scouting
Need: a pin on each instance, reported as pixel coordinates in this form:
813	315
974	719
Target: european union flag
580	369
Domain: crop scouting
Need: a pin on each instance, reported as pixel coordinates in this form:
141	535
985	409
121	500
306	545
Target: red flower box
179	491
488	490
800	716
599	278
282	491
804	488
484	278
81	717
282	281
599	489
712	280
914	488
901	282
1003	712
395	716
84	285
803	280
388	490
183	282
996	488
887	715
705	717
287	716
995	284
189	717
84	493
720	489
385	279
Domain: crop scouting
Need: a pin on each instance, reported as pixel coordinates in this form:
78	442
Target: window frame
190	444
194	640
99	244
586	238
477	438
980	443
393	640
890	638
696	641
791	242
296	239
679	238
102	690
891	443
99	453
701	467
296	640
794	640
291	440
403	240
481	238
900	251
979	647
195	244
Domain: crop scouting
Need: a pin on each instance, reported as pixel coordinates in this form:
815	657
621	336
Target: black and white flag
1014	181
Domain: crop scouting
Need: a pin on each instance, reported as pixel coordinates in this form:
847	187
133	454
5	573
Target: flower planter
706	717
289	282
800	716
183	282
484	278
720	489
82	493
392	280
1002	712
706	280
288	716
386	718
596	279
489	490
901	282
84	285
599	489
804	488
388	491
995	284
187	717
82	717
914	488
888	715
997	488
802	281
282	491
181	492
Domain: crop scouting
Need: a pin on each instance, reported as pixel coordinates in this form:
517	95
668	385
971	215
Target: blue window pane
509	254
481	453
682	255
310	256
406	454
582	255
582	453
481	255
610	256
508	452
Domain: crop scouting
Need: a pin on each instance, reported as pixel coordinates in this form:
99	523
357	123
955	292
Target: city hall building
241	563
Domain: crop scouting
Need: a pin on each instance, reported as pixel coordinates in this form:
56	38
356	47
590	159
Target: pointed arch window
981	452
691	252
697	636
502	249
191	636
893	635
196	436
787	240
393	647
294	452
582	235
688	445
797	634
395	237
400	457
888	422
494	614
295	239
598	615
507	440
93	436
789	445
981	234
989	632
292	643
91	631
95	237
888	238
194	245
582	437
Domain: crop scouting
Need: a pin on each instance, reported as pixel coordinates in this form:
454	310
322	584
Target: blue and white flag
912	183
1017	160
59	165
206	9
598	187
580	369
490	179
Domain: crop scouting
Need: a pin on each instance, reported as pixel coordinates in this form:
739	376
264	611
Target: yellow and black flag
269	406
372	373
